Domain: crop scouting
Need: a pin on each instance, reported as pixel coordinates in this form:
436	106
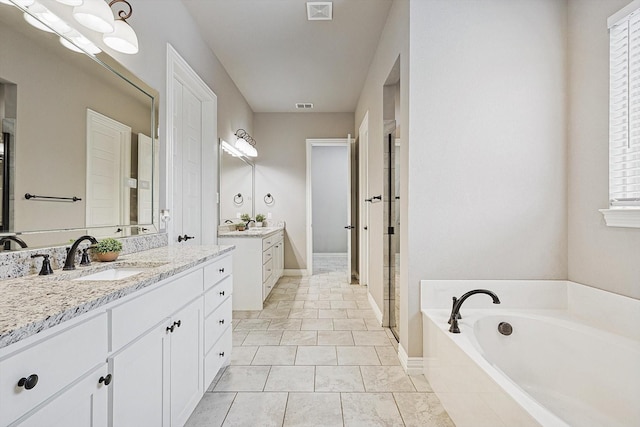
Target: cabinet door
186	362
139	380
84	404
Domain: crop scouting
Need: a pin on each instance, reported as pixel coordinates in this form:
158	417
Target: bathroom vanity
135	342
258	263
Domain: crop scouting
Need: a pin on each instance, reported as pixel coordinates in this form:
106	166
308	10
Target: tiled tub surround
571	360
34	303
19	263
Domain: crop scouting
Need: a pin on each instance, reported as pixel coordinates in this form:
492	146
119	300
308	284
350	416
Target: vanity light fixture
95	15
79	43
71	2
43	19
245	143
22	3
123	38
230	148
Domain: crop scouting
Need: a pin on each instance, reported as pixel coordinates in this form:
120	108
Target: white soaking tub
571	360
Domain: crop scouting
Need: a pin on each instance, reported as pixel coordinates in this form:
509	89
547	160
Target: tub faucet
70	262
455	311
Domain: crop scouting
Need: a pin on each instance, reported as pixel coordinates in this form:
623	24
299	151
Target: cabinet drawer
267	242
217	323
214	297
57	361
267	268
217	271
216	358
267	255
135	316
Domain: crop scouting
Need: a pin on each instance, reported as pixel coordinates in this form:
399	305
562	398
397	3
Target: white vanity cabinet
45	371
258	263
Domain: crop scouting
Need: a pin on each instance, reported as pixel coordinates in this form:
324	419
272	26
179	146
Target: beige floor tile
316	355
330	297
335	338
285	325
211	411
263	338
339	378
357	355
275	355
274	313
238	337
303	313
360	314
306	297
344	304
243	378
243	355
371	410
248	407
290	304
299	338
317	304
291	378
422	410
373	325
317	325
421	383
313	410
349	325
252	325
388	355
386	379
246	314
371	338
281	297
332	314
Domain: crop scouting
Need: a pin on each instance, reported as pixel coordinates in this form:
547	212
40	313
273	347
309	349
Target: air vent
304	105
319	10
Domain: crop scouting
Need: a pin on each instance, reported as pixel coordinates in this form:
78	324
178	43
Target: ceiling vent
319	10
304	105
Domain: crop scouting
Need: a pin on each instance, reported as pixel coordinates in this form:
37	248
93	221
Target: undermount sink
113	274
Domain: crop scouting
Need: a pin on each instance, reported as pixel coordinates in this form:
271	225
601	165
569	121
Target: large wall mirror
78	132
236	187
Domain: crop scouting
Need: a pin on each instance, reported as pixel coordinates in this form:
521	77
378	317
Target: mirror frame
221	152
119	71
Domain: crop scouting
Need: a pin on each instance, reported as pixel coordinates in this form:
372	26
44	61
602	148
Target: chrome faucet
7	239
70	262
457	303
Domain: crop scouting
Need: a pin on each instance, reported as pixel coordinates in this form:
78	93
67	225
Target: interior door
350	225
364	206
145	178
187	164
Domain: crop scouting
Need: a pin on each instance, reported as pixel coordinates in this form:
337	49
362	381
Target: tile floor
316	356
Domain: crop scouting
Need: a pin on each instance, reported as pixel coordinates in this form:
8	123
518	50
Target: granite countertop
251	232
31	304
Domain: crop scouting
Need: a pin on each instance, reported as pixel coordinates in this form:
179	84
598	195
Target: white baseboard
294	272
411	365
375	308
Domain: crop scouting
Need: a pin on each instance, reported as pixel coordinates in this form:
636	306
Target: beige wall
600	256
394	42
281	169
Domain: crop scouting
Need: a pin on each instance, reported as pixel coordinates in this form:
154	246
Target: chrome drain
505	328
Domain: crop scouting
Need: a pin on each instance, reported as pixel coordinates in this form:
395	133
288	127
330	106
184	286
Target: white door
145	178
187	164
349	226
108	171
364	206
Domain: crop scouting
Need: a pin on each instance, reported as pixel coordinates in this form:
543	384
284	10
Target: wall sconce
245	143
229	148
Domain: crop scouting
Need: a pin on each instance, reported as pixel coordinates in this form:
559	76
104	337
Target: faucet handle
453	307
84	261
46	264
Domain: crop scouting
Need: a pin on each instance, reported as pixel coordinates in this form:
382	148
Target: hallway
315	356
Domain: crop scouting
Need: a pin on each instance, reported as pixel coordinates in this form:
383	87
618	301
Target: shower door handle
349	227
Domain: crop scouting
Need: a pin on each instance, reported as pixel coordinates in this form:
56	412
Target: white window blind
624	111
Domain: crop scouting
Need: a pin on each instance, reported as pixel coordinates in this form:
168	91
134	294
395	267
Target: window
624	118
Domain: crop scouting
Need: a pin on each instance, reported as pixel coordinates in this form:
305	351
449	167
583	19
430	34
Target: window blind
624	111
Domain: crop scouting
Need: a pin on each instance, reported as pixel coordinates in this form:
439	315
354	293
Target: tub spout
455	311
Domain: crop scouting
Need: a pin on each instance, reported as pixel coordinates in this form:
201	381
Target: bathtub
572	359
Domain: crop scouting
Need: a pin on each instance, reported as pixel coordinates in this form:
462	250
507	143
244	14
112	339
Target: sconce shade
23	3
245	148
95	15
123	38
71	2
80	41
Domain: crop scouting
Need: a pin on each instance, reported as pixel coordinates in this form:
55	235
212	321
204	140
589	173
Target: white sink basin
113	274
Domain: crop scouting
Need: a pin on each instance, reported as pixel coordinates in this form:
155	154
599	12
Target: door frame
324	142
363	191
179	69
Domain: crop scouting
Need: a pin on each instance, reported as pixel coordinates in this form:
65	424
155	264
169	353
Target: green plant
108	245
245	217
260	218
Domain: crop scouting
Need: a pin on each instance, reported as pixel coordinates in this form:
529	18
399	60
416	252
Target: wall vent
319	10
304	105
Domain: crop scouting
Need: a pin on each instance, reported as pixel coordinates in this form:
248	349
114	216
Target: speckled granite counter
252	232
34	303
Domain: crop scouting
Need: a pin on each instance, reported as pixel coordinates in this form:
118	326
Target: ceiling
278	58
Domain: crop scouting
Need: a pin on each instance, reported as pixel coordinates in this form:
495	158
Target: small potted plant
108	249
260	220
